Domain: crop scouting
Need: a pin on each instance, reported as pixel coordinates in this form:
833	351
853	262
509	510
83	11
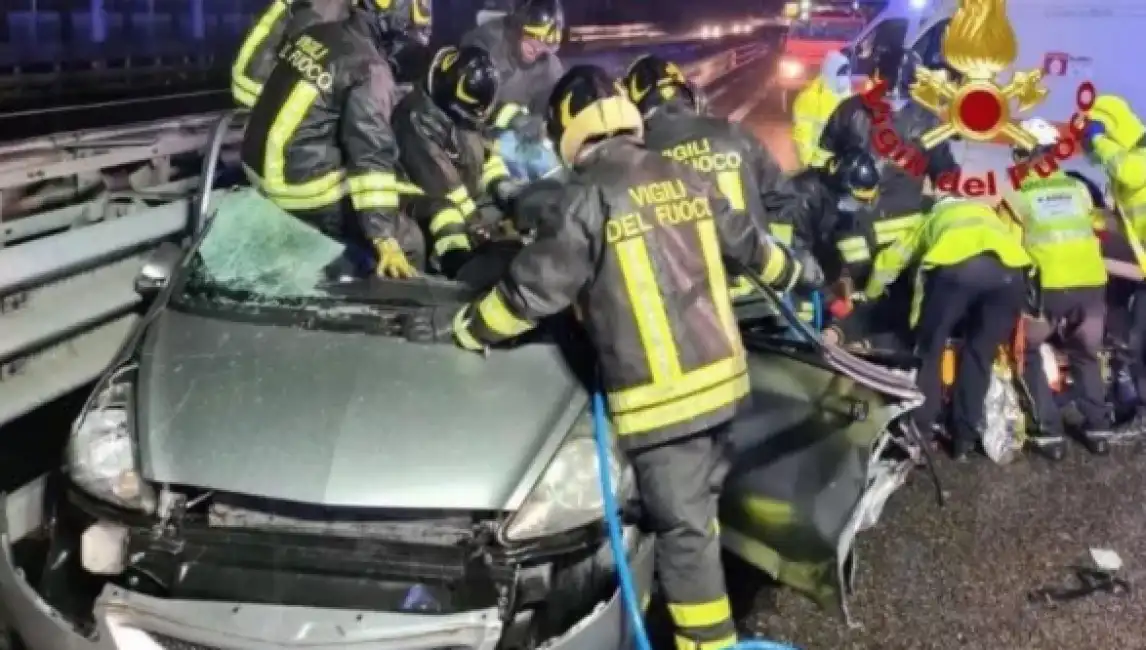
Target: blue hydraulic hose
818	311
617	541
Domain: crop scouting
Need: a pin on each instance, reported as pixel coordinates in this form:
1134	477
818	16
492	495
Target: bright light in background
918	4
791	69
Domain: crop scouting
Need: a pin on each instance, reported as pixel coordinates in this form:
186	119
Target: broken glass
254	246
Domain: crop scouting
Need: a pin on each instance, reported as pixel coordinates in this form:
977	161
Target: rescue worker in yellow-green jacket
815	104
1115	138
1054	214
281	18
640	255
973	271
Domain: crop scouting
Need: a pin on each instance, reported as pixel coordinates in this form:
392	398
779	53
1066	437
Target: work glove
463	336
392	262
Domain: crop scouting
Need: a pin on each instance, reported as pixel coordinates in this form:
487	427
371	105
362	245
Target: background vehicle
808	41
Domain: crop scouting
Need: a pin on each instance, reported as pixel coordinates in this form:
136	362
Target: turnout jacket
724	153
281	19
640	256
903	167
524	85
320	132
445	160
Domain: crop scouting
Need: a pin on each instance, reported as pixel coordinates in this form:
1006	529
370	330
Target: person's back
292	136
281	19
724	153
523	46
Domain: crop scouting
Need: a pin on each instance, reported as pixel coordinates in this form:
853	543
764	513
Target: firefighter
640	256
726	154
973	271
282	18
318	143
839	203
524	45
438	127
1055	216
815	104
904	168
1115	138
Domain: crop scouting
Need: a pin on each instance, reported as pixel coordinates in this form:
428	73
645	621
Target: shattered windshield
258	254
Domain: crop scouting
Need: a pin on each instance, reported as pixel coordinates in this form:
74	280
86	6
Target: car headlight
568	495
101	454
791	69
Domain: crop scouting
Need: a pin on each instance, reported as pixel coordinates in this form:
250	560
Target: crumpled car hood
342	419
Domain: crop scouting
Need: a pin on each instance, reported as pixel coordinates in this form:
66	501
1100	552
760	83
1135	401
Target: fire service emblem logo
979	43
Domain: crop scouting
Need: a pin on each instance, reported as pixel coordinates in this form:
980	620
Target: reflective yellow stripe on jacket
244	89
674	396
368	190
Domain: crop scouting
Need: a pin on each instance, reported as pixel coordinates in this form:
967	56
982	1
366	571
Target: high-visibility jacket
1127	171
810	111
1058	231
955	231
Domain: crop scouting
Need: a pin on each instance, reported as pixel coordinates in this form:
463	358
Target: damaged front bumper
125	619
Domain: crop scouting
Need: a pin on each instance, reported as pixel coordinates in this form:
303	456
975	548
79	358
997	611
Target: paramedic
815	104
1115	138
318	142
640	257
281	19
1054	214
974	271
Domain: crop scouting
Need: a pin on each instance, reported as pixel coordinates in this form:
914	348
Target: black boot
961	449
1051	446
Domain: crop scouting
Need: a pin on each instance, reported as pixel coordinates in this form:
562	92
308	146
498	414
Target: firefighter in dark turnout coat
640	255
280	20
523	45
318	142
439	129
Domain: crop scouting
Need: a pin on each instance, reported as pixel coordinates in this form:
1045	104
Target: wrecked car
275	462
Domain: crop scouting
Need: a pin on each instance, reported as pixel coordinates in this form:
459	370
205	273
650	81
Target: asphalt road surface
929	578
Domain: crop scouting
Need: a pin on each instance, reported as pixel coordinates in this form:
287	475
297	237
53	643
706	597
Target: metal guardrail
66	293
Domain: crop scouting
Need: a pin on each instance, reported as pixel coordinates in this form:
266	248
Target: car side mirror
157	269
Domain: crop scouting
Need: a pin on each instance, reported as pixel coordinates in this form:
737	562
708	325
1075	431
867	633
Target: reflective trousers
680	483
1076	318
984	297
